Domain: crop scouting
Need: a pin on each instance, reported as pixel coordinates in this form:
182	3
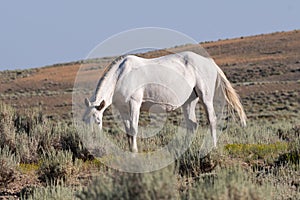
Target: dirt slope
265	69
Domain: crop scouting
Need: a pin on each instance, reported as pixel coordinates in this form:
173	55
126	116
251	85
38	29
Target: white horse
172	81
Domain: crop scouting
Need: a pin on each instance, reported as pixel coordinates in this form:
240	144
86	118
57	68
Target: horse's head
94	112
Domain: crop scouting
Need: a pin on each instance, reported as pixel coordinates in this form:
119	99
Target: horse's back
167	80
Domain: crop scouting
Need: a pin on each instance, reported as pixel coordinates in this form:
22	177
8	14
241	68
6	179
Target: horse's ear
101	106
87	102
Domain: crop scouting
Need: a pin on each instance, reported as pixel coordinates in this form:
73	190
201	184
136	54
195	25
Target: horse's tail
231	97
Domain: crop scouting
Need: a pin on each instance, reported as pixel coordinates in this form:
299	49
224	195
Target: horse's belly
167	98
152	107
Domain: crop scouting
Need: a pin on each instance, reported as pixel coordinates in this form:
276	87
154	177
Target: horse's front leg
127	125
126	122
134	121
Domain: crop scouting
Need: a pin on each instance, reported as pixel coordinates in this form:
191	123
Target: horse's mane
107	70
109	67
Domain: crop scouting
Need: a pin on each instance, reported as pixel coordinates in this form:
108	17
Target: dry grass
260	161
248	164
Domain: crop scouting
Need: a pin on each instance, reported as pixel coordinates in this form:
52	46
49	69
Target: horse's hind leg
207	99
188	109
209	109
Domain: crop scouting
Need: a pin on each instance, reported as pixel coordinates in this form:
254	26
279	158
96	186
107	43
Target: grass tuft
8	166
120	185
57	165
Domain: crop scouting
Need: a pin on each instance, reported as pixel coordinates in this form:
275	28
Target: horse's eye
98	108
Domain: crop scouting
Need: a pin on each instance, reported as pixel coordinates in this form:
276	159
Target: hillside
265	70
43	159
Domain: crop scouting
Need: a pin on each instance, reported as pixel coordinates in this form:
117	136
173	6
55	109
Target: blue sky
38	33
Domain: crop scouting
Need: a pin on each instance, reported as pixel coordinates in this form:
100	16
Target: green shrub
17	131
7	129
120	185
52	192
283	180
28	168
8	166
71	141
249	152
199	158
228	183
192	164
57	165
26	148
27	121
291	157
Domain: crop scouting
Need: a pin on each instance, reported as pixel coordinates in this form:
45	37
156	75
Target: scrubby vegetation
43	157
8	166
113	184
257	162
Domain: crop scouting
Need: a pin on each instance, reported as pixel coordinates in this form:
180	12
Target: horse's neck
107	84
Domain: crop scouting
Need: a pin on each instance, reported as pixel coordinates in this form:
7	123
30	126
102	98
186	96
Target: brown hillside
265	69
